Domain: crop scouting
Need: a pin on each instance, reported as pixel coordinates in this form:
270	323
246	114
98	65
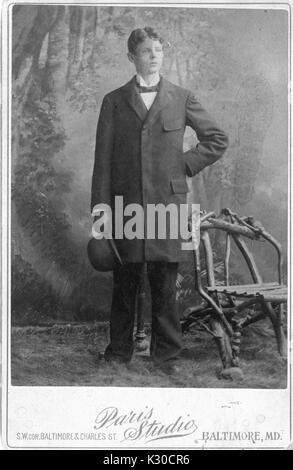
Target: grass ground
68	356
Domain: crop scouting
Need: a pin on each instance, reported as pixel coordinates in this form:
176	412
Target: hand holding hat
101	249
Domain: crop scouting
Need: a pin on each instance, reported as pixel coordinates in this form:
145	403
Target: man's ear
130	57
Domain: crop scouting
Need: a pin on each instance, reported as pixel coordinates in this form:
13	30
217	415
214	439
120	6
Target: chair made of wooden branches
223	311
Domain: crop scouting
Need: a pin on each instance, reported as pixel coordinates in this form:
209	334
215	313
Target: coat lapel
163	97
134	100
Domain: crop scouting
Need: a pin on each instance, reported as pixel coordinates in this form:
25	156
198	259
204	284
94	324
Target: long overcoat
139	155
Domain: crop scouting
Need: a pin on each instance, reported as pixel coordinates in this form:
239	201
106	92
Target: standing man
139	155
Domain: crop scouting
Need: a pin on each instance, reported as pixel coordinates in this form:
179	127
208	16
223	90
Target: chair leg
223	342
277	322
280	328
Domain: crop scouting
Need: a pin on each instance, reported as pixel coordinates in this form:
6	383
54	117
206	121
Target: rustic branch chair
222	312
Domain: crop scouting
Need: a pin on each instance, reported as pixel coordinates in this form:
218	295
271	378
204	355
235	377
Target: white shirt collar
154	82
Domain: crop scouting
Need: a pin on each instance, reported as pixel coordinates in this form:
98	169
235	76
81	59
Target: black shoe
121	357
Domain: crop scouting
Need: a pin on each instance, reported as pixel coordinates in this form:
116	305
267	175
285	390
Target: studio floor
69	356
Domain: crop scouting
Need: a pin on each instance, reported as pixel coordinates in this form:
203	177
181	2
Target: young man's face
148	57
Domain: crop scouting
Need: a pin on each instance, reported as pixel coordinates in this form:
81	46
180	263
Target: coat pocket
179	186
172	124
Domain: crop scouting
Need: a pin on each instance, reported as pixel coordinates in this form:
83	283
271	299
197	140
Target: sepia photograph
147	199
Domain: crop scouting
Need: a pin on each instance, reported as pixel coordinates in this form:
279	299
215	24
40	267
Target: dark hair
139	35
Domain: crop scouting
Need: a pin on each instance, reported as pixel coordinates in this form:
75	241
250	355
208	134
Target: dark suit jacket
139	155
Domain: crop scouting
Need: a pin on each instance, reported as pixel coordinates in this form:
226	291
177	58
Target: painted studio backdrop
64	60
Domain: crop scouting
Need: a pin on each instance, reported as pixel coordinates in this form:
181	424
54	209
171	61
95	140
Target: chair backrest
236	229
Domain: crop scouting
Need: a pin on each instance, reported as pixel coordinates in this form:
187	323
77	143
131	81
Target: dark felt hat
103	254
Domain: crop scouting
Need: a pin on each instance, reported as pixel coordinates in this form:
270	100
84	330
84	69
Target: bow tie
147	89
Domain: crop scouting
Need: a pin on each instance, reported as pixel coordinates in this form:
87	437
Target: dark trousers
166	341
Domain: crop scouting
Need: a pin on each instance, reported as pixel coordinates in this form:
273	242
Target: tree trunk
57	59
20	89
30	27
77	46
